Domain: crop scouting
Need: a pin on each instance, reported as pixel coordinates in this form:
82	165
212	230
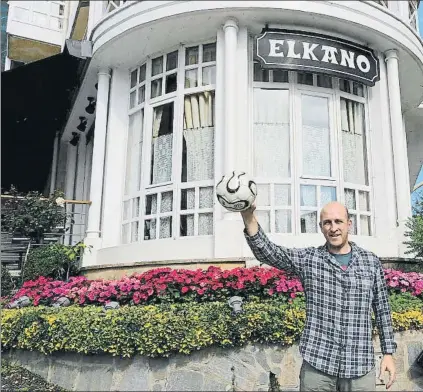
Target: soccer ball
236	191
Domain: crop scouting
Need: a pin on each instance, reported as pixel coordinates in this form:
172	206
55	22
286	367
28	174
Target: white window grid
353	91
358	211
163	77
35	8
175	185
272	207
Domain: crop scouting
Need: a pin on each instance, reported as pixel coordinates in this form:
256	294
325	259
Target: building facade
317	101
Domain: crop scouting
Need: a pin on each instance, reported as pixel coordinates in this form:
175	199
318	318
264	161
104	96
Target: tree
415	231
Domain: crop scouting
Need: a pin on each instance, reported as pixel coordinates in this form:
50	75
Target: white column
96	187
79	209
230	29
403	201
70	171
54	163
115	159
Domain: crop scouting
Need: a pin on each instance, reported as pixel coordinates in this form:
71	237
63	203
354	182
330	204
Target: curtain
271	133
199	136
162	151
353	142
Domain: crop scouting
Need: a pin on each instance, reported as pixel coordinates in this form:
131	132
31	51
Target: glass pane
134	152
161	149
166	202
263	195
20	14
165	227
282	195
171	83
187	225
136	207
141	94
260	75
198	138
280	76
191	55
209	75
364	202
354	142
283	221
142	73
324	81
191	78
308	196
353	228
187	199
205	224
134	78
358	89
157	66
156	88
134	231
150	229
126	207
172	60
315	136
345	85
305	78
365	227
350	198
151	204
209	52
271	133
206	197
327	194
132	99
41	20
308	221
125	233
263	218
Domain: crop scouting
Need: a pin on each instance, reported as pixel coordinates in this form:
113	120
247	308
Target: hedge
162	330
166	285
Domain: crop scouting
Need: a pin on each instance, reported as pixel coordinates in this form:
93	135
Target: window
170	150
47	14
309	148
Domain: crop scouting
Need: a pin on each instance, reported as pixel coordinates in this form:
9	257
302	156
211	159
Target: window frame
175	184
336	180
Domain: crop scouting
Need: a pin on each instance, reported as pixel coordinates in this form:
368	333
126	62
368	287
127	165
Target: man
342	284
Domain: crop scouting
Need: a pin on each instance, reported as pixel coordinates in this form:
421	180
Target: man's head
334	224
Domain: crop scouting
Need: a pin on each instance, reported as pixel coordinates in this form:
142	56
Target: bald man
343	283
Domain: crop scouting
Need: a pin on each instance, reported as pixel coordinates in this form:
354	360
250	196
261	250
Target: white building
316	100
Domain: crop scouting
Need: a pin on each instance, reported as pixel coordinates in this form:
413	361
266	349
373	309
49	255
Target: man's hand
388	364
250	221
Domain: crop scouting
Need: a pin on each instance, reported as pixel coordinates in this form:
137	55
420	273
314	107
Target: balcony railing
112	5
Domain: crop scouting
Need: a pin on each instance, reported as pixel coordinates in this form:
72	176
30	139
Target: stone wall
252	368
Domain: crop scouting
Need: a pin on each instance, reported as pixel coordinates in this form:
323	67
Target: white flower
60	201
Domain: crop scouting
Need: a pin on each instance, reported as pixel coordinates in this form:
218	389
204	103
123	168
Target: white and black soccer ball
236	191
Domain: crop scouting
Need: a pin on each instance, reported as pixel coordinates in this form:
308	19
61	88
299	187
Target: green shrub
32	215
160	330
56	261
7	283
402	302
415	231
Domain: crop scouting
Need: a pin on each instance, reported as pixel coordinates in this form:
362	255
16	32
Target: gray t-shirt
343	260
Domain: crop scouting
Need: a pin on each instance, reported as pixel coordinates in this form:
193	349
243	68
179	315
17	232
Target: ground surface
15	378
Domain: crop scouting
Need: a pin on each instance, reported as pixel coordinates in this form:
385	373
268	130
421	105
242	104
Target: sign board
309	52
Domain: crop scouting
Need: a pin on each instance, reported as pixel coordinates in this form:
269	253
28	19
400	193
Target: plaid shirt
337	338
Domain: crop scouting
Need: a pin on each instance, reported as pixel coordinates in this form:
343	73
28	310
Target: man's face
334	224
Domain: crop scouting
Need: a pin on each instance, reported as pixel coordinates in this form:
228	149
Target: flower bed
166	285
161	330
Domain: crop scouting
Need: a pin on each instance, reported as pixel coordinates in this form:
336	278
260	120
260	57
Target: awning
36	99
